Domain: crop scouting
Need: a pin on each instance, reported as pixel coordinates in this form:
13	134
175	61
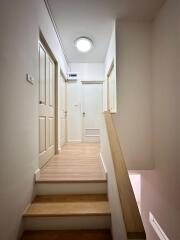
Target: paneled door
92	108
46	106
63	108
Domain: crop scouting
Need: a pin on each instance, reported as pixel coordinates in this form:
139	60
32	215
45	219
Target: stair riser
70	222
70	188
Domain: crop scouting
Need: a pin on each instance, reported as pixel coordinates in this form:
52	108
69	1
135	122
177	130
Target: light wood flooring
76	162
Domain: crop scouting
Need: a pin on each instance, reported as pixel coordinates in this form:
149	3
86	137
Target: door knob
40	102
84	114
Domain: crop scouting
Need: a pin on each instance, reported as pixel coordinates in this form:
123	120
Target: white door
92	110
74	117
46	106
63	111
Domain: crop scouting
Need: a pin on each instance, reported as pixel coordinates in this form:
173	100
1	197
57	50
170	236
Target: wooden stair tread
76	162
68	235
68	205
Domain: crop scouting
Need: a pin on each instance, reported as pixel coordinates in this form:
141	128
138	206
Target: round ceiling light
83	44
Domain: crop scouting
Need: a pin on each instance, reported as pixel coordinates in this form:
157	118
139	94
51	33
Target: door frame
45	45
64	78
111	68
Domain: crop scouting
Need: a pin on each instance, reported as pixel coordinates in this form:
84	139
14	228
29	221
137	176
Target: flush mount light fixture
83	44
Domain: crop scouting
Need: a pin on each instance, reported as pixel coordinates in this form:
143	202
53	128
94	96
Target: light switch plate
30	78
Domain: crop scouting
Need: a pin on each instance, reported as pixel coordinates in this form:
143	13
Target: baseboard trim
104	166
37	174
74	141
157	228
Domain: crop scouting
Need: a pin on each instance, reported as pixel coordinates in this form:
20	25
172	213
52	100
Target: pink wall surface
136	185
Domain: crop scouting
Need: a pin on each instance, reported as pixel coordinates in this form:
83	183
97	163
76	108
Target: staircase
74	200
68	209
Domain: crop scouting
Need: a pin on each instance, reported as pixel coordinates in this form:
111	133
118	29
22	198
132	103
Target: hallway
89	94
75	163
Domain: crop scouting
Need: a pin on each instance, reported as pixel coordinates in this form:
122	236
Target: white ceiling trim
55	28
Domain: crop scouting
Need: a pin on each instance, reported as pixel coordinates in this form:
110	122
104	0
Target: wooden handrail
132	218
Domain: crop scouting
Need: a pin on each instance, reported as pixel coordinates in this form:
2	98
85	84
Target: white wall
110	57
19	23
148	112
86	72
111	51
161	187
134	119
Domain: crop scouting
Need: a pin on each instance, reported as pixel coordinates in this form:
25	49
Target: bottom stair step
68	235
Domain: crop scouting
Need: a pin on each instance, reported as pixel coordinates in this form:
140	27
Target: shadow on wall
135	179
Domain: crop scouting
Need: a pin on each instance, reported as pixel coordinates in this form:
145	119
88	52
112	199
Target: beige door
46	106
63	109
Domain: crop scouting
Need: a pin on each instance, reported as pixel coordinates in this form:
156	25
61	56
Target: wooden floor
76	162
69	205
68	235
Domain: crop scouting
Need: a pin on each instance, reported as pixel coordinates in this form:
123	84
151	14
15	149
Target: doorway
92	107
47	75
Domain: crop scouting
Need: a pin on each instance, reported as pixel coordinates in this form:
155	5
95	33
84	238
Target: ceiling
95	18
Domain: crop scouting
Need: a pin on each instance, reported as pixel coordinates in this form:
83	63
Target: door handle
84	114
40	102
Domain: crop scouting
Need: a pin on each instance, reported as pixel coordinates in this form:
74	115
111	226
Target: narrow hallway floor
76	162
